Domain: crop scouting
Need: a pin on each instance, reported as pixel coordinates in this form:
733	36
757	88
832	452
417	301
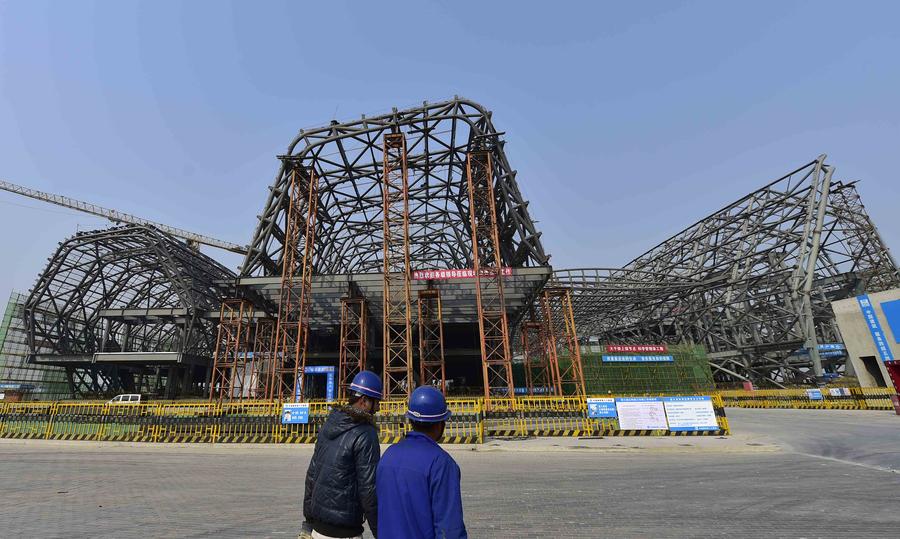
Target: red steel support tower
398	359
232	377
353	342
431	340
492	322
296	286
565	353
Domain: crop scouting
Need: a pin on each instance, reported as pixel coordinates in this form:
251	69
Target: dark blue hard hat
367	383
427	405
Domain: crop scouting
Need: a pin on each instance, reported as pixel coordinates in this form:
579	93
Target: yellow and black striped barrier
260	421
854	398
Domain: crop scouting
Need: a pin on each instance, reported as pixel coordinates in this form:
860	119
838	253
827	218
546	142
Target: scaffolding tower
233	373
397	322
292	332
488	271
353	342
431	340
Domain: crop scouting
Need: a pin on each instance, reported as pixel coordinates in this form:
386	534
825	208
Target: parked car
128	398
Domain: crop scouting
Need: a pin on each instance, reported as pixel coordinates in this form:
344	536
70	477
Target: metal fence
854	398
260	421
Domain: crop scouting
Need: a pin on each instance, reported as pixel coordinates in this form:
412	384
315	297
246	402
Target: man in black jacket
340	481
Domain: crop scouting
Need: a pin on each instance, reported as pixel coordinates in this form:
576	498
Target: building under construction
401	243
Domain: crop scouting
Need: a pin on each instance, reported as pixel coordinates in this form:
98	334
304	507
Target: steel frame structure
234	376
432	370
493	326
353	341
397	318
562	341
539	372
752	282
292	330
125	290
347	158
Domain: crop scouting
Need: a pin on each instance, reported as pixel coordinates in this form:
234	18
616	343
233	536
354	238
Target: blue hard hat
367	383
427	405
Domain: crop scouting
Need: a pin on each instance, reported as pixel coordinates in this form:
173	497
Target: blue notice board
891	310
814	394
294	413
637	359
603	407
878	336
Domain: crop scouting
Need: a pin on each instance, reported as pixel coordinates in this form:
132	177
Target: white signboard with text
690	413
641	413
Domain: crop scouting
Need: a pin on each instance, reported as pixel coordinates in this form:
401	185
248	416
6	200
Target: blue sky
626	121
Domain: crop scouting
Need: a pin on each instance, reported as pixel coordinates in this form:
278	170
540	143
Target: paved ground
785	473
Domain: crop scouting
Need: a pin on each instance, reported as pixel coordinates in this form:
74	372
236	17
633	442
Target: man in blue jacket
418	482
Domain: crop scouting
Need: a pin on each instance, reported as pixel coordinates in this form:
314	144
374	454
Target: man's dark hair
420	426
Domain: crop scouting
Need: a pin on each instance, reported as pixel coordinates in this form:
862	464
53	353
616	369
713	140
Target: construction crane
119	217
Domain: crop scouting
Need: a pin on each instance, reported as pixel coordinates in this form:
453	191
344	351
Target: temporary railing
261	421
854	398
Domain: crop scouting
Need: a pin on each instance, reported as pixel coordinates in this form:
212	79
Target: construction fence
261	421
853	398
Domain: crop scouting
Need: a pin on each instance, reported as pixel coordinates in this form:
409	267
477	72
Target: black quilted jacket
340	481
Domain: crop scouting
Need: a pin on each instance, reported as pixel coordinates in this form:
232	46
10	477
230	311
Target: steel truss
397	318
292	331
234	376
493	327
540	374
432	370
752	282
347	158
562	341
125	289
354	328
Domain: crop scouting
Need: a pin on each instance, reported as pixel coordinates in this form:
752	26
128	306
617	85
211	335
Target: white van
128	398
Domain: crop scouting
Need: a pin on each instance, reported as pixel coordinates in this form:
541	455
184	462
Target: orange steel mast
492	322
231	373
538	373
353	342
556	305
431	340
296	286
397	350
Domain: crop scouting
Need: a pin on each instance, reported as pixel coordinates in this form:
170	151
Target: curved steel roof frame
130	288
738	281
347	158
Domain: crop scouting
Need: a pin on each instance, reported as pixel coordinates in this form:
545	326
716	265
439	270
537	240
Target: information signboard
637	359
636	348
814	394
602	407
641	413
839	392
690	413
446	274
878	336
294	413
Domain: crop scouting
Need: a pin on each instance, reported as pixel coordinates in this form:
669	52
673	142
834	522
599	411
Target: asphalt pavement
785	473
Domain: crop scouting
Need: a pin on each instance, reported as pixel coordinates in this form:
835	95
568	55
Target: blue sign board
536	390
891	310
814	394
329	382
637	359
878	337
295	413
603	407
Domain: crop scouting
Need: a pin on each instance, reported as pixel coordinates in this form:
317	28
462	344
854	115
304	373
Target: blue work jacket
417	484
